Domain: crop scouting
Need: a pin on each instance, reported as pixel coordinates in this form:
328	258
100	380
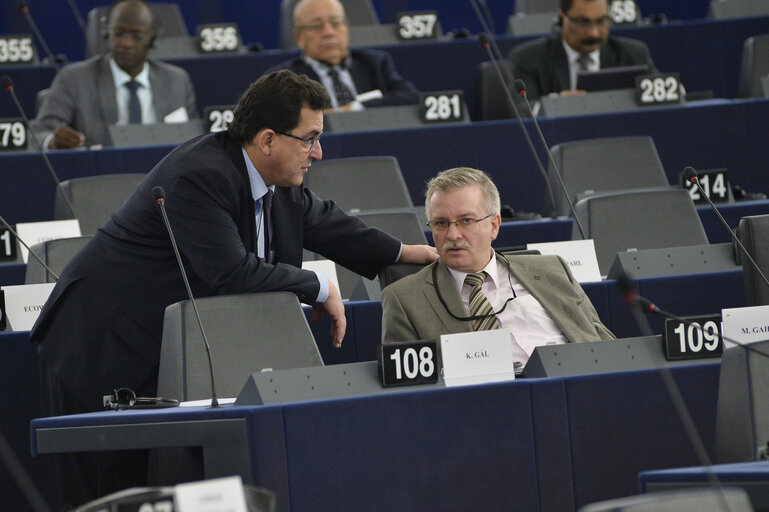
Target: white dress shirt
144	93
531	325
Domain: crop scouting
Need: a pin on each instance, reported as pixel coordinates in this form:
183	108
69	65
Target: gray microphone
520	88
690	175
159	195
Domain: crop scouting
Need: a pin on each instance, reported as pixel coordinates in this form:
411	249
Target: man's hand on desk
66	138
335	309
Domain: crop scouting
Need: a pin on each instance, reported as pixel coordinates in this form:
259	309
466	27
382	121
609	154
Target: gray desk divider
742	420
598	102
155	134
692	259
381	118
247	333
317	383
599	357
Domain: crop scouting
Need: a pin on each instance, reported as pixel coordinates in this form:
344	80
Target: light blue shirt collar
258	188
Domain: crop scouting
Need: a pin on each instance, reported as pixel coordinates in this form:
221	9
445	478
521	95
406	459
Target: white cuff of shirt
323	293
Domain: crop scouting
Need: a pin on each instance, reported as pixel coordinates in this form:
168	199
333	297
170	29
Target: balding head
321	30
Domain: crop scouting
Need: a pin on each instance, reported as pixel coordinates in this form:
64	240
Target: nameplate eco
578	254
23	304
715	183
408	363
697	337
442	106
218	38
658	89
14	135
413	26
477	357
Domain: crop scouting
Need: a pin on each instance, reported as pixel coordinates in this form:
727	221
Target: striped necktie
480	305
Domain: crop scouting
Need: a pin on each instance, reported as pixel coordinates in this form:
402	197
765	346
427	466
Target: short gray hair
460	177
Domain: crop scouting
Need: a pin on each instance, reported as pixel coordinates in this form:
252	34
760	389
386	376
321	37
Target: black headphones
475	317
125	398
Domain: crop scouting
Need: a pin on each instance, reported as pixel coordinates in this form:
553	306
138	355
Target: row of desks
259	22
549	444
731	134
706	54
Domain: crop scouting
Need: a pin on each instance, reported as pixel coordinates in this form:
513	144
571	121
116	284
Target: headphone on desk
125	398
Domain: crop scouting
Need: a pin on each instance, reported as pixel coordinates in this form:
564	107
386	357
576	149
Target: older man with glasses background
323	33
472	288
550	64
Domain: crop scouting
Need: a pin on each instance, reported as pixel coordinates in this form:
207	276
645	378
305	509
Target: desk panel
618	432
541	444
731	134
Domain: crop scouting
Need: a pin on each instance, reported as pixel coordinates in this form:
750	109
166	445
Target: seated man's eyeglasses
311	141
463	223
583	23
318	25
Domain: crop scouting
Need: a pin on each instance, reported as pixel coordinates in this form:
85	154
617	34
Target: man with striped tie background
472	288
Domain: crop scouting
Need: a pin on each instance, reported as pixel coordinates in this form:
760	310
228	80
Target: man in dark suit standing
323	33
101	328
119	87
551	64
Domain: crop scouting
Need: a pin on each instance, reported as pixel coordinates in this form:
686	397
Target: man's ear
264	141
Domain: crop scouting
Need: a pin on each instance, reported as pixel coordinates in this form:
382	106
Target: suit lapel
448	289
537	283
106	92
560	64
161	102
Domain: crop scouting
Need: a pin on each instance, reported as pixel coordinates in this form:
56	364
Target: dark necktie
584	60
480	305
341	91
134	108
267	210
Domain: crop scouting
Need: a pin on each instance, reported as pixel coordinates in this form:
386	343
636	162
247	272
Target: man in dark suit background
101	328
86	97
551	64
323	33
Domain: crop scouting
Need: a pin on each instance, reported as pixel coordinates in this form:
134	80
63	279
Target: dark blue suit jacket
543	64
370	69
101	328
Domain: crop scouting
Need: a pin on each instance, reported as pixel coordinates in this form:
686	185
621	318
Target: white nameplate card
477	357
23	304
745	325
374	94
325	267
37	232
578	254
216	495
